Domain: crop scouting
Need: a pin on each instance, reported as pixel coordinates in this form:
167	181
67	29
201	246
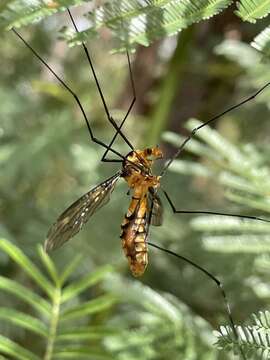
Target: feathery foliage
141	22
133	22
254	338
24	12
61	322
155	326
245	179
46	162
262	42
243	174
58	322
252	10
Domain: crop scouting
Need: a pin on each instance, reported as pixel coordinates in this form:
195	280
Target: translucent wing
157	210
73	218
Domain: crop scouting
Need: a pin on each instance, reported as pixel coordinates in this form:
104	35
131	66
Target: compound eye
148	151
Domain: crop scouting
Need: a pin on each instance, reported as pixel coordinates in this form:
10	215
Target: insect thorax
137	169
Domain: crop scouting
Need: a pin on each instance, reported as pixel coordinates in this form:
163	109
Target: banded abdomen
134	232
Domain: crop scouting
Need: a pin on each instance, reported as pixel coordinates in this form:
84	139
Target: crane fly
137	219
145	207
136	222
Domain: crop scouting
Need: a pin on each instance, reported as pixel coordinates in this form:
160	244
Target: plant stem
168	87
53	324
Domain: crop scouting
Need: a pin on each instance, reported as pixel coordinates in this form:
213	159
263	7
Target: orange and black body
145	203
135	225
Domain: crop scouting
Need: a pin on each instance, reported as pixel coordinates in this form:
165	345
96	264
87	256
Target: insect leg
219	285
75	96
109	117
128	111
207	273
194	131
210	212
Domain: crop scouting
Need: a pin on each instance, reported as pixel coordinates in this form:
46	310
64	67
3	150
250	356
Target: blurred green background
47	161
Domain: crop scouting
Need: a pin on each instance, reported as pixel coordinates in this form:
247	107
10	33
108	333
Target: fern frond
261	288
252	10
262	42
252	244
27	265
193	146
245	178
219	224
9	347
262	264
85	332
23	320
262	319
24	294
156	325
23	12
256	72
142	22
254	339
51	312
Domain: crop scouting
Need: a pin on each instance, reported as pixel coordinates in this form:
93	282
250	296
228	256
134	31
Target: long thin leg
128	111
93	138
210	212
194	131
109	117
217	282
206	272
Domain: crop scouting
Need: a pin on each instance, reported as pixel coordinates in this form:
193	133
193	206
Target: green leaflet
9	347
45	322
252	10
27	265
23	293
254	338
142	22
85	282
23	320
262	42
89	307
24	12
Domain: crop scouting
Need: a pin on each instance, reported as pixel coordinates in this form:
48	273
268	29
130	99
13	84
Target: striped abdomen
134	235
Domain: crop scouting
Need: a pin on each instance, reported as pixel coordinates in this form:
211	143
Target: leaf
252	10
19	13
87	353
85	333
49	265
142	21
261	204
262	42
9	347
254	338
193	146
26	295
49	327
91	307
223	224
218	143
243	185
155	325
70	268
252	244
23	320
25	263
89	280
241	53
190	168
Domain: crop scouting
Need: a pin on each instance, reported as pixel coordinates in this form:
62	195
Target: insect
145	207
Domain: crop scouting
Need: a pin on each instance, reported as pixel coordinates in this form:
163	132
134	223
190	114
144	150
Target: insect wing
157	211
76	215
